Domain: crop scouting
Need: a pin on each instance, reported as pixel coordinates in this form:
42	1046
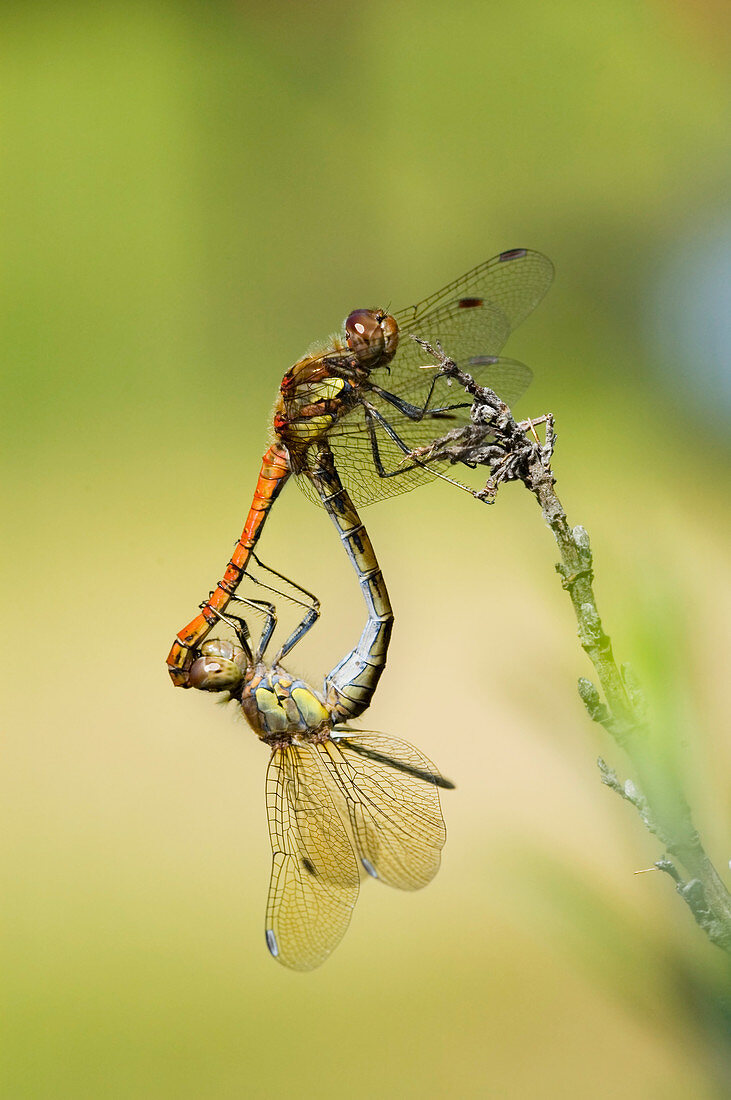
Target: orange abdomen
274	472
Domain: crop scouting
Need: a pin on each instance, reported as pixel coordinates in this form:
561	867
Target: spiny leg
416	412
311	605
372	414
269	610
240	627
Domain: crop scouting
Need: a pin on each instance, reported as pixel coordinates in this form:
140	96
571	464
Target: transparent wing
315	877
471	318
508	286
393	801
354	461
360	436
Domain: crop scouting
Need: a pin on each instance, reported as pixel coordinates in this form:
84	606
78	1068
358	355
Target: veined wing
361	435
391	791
353	456
315	878
513	282
471	318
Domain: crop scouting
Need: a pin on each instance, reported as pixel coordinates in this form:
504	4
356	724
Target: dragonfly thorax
315	396
281	708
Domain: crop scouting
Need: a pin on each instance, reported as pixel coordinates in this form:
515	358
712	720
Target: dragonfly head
221	666
372	335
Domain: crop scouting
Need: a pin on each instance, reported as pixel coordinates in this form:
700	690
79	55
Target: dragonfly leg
270	622
371	415
311	606
405	407
240	628
416	412
414	464
287	580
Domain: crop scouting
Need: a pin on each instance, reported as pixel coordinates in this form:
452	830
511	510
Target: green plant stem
495	440
662	806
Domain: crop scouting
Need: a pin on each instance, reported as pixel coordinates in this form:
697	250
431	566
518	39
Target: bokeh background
192	194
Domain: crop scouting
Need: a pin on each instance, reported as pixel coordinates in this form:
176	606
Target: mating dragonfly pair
345	424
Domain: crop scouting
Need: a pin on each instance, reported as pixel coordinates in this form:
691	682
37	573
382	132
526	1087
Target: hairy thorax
315	393
281	709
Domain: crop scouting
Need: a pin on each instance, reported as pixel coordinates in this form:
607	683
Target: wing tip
512	254
369	867
272	944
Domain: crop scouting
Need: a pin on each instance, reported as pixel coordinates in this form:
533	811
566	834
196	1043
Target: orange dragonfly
367	398
339	801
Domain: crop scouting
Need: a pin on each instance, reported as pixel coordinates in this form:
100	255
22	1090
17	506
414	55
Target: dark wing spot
470	303
308	866
272	943
512	254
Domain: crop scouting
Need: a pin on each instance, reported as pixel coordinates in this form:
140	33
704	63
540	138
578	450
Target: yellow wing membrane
392	796
315	878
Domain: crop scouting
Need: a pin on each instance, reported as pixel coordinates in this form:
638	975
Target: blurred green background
192	194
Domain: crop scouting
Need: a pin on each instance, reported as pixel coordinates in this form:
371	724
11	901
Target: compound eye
220	667
390	329
364	334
